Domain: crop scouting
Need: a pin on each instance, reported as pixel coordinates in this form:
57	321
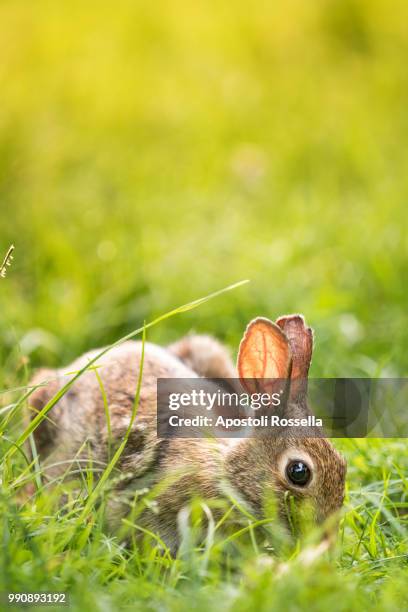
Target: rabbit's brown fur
202	467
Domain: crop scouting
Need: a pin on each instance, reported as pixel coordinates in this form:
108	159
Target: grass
53	540
157	152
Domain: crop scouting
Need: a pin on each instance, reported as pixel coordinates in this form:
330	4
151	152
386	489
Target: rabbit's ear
264	353
300	339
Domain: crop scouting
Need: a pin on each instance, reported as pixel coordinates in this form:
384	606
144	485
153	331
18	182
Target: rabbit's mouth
297	514
301	516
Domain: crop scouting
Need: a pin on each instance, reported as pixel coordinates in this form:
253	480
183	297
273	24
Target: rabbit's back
108	387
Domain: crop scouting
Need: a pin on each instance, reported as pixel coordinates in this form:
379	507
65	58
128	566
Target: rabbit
306	467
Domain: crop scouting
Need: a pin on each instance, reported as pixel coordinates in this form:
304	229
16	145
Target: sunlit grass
153	152
53	537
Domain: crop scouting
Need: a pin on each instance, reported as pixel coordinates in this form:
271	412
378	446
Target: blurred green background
151	153
154	152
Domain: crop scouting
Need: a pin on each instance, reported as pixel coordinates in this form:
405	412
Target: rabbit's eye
298	473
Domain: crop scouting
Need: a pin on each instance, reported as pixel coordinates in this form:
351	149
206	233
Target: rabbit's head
305	466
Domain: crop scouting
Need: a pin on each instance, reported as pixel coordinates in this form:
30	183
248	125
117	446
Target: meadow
152	154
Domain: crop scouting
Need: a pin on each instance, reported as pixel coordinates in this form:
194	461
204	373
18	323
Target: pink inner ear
264	353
